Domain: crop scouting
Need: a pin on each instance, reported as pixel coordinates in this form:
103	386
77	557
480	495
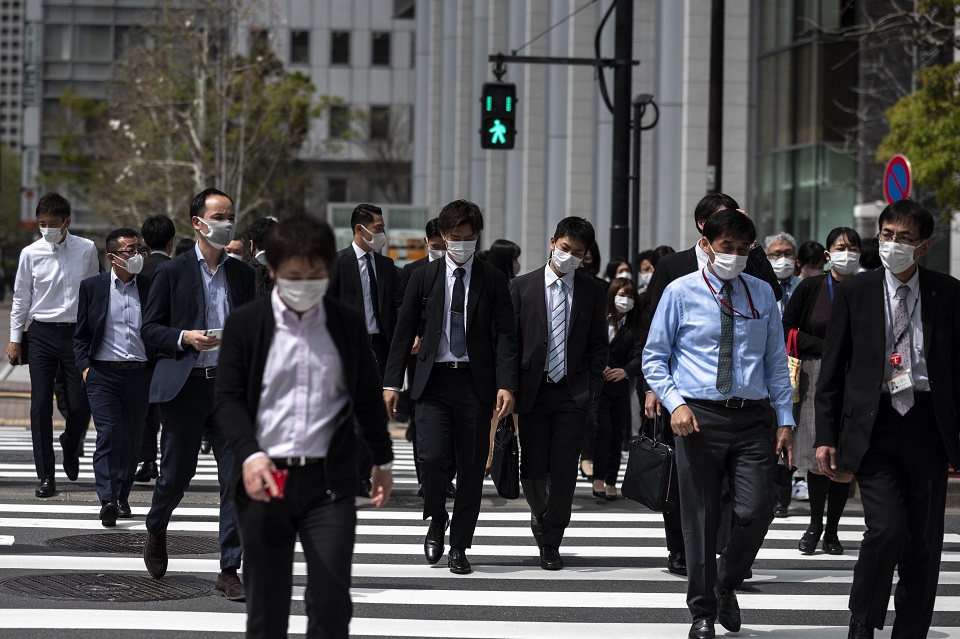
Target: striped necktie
556	363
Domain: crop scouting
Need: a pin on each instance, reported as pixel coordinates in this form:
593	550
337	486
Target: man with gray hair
781	250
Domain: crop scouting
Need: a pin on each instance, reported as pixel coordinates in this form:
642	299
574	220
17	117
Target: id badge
899	382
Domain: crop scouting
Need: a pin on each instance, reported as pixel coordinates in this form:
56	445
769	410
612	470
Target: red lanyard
753	311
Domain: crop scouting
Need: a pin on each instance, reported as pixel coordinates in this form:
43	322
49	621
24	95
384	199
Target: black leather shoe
451	490
433	544
71	462
205	444
155	554
702	629
728	610
677	564
832	546
229	585
148	470
780	512
808	543
550	558
858	630
536	525
47	488
457	561
123	509
108	514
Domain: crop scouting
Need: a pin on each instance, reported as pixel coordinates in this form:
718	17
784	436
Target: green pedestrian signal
497	123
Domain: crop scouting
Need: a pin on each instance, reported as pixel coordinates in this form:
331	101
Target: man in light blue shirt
716	358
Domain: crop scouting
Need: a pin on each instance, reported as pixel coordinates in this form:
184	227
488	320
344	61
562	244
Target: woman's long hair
502	253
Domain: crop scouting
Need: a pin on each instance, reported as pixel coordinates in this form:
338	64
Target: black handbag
651	477
505	468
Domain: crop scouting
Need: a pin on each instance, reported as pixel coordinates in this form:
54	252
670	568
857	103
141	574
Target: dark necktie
903	345
458	332
374	291
785	285
725	361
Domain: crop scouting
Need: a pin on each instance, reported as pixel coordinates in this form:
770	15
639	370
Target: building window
259	41
380	123
94	43
56	42
336	190
340	47
380	53
339	121
299	47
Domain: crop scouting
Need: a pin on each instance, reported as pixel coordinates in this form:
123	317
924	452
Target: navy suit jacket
92	312
176	303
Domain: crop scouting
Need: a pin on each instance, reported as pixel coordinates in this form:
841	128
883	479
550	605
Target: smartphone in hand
280	477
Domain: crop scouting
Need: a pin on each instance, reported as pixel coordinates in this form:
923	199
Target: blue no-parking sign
897	179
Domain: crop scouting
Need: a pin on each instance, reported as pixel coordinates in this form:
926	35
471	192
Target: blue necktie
458	332
556	363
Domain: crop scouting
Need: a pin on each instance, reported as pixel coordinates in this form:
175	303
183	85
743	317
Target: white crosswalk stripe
614	582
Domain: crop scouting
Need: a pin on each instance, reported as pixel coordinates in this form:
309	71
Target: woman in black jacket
807	313
613	407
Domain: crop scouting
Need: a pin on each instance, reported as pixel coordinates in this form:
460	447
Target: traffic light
497	107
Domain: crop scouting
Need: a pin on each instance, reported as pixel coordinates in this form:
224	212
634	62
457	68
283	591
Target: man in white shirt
46	292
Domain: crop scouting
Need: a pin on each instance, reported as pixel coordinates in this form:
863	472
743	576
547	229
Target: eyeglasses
133	251
900	238
773	255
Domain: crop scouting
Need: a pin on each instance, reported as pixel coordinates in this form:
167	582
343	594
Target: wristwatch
387	466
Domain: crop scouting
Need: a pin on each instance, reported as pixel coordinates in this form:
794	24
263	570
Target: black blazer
405	274
586	337
626	352
797	315
243	357
176	303
263	283
93	305
345	286
854	354
151	262
491	344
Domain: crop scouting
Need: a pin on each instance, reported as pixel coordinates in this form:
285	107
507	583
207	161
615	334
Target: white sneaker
800	491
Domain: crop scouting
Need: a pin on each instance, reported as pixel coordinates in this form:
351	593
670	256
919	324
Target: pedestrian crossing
614	582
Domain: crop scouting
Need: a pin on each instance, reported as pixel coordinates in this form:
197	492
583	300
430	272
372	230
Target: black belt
453	364
732	402
295	462
57	324
123	366
206	373
547	380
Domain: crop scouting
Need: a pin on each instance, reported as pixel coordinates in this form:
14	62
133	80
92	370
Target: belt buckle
209	373
727	404
297	461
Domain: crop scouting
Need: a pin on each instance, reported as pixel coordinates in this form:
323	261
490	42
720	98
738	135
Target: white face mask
460	252
52	235
844	262
565	262
728	266
623	304
302	295
627	275
645	279
783	267
221	232
435	254
133	265
896	257
376	241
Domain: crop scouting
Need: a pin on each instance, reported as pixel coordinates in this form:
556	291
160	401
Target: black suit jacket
345	285
586	337
626	352
491	344
243	357
798	312
93	307
176	303
151	262
854	354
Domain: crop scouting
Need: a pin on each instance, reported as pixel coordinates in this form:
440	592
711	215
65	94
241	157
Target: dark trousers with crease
451	417
734	444
151	428
550	438
611	418
269	532
51	346
671	520
903	488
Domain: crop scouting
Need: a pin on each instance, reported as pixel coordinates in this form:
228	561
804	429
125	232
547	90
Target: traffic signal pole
620	189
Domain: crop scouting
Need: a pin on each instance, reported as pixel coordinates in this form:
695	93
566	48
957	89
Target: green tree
12	237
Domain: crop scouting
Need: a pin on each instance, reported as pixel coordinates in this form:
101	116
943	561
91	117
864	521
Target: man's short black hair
199	203
54	204
258	229
910	212
363	214
313	239
432	229
184	245
575	228
710	204
870	254
730	223
157	231
844	231
113	238
460	212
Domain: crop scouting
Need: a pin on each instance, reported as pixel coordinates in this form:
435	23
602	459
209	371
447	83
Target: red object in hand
280	477
896	360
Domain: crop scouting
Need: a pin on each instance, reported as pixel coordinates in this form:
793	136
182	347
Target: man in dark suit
115	365
158	233
368	281
887	407
266	347
669	268
256	235
190	299
562	347
466	365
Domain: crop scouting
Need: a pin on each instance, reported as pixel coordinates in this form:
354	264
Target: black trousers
734	444
450	416
151	428
51	346
269	531
671	521
612	417
903	488
550	437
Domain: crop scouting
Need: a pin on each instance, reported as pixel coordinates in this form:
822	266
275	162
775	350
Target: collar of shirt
203	260
717	283
359	251
67	243
159	252
261	257
551	278
893	284
452	266
702	258
117	281
283	316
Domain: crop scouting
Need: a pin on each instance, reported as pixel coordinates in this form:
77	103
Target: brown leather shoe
155	554
229	585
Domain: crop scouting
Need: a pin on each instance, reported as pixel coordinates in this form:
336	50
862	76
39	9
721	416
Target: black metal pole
638	108
620	192
715	118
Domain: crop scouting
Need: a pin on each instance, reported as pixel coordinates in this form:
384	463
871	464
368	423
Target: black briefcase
505	468
650	478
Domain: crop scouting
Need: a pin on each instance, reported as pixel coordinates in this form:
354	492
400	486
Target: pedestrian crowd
776	370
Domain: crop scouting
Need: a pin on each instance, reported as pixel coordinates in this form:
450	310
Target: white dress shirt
702	258
121	332
303	387
550	279
443	349
48	280
365	284
918	363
